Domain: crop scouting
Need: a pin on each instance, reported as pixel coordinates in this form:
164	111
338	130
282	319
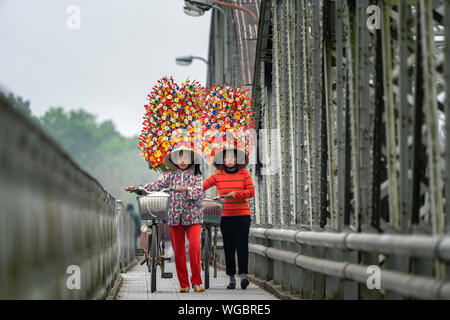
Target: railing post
295	272
305	275
351	288
263	264
367	258
334	287
277	265
318	284
286	269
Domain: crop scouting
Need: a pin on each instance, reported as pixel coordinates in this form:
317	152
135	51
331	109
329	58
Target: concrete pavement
135	285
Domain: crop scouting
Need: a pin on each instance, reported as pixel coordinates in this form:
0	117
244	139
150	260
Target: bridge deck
136	286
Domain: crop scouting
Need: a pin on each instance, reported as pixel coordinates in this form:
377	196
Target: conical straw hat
168	161
241	160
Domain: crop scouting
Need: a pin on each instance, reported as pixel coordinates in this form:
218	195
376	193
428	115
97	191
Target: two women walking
185	211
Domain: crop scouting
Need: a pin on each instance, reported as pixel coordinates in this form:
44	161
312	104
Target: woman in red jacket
235	183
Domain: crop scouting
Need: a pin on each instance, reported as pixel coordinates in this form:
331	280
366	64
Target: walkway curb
269	286
114	290
112	294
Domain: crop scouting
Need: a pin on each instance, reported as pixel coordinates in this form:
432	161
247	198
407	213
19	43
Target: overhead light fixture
184	61
192	12
187	60
191	5
203	5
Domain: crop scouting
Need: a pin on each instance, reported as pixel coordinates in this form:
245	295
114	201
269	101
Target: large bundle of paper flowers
169	119
227	118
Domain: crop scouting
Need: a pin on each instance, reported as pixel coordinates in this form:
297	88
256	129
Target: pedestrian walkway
135	285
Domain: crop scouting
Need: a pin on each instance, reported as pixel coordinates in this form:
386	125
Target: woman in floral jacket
185	214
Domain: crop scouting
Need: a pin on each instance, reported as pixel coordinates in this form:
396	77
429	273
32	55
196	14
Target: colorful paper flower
164	114
224	115
226	120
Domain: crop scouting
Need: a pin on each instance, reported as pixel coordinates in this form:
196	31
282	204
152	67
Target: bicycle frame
156	252
207	250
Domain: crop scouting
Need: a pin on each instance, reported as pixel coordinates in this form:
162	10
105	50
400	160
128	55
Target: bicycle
212	212
154	207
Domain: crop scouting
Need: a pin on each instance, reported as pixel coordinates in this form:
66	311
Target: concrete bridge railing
125	235
62	235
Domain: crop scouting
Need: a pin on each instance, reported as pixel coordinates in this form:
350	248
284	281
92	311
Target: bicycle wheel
214	252
148	252
154	256
206	255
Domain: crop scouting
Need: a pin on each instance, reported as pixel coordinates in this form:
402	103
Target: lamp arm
200	58
226	4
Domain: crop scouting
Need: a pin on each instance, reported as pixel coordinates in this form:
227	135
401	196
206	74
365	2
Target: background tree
100	149
96	146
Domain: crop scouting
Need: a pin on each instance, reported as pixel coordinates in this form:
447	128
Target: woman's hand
231	195
130	189
180	189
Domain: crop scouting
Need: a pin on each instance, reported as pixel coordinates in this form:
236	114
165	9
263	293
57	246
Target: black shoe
244	283
231	285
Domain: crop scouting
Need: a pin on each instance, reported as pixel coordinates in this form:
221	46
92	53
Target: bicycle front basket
212	211
154	206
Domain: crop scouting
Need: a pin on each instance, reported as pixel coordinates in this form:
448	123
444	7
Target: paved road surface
136	286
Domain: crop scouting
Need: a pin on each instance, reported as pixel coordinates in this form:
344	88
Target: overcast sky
109	65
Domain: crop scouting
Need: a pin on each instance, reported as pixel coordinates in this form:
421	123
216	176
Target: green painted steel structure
355	95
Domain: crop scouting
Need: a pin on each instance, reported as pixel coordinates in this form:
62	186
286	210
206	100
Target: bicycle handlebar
140	189
221	197
143	190
157	190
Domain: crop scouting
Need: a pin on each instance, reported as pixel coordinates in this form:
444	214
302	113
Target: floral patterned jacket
184	206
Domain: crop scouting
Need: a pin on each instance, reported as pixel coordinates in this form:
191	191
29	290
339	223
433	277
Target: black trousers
235	237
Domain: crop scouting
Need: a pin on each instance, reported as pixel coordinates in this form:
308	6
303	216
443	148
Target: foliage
97	147
100	149
18	102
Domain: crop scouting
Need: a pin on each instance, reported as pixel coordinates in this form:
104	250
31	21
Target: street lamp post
205	5
194	8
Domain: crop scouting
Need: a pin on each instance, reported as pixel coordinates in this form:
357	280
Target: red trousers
177	236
